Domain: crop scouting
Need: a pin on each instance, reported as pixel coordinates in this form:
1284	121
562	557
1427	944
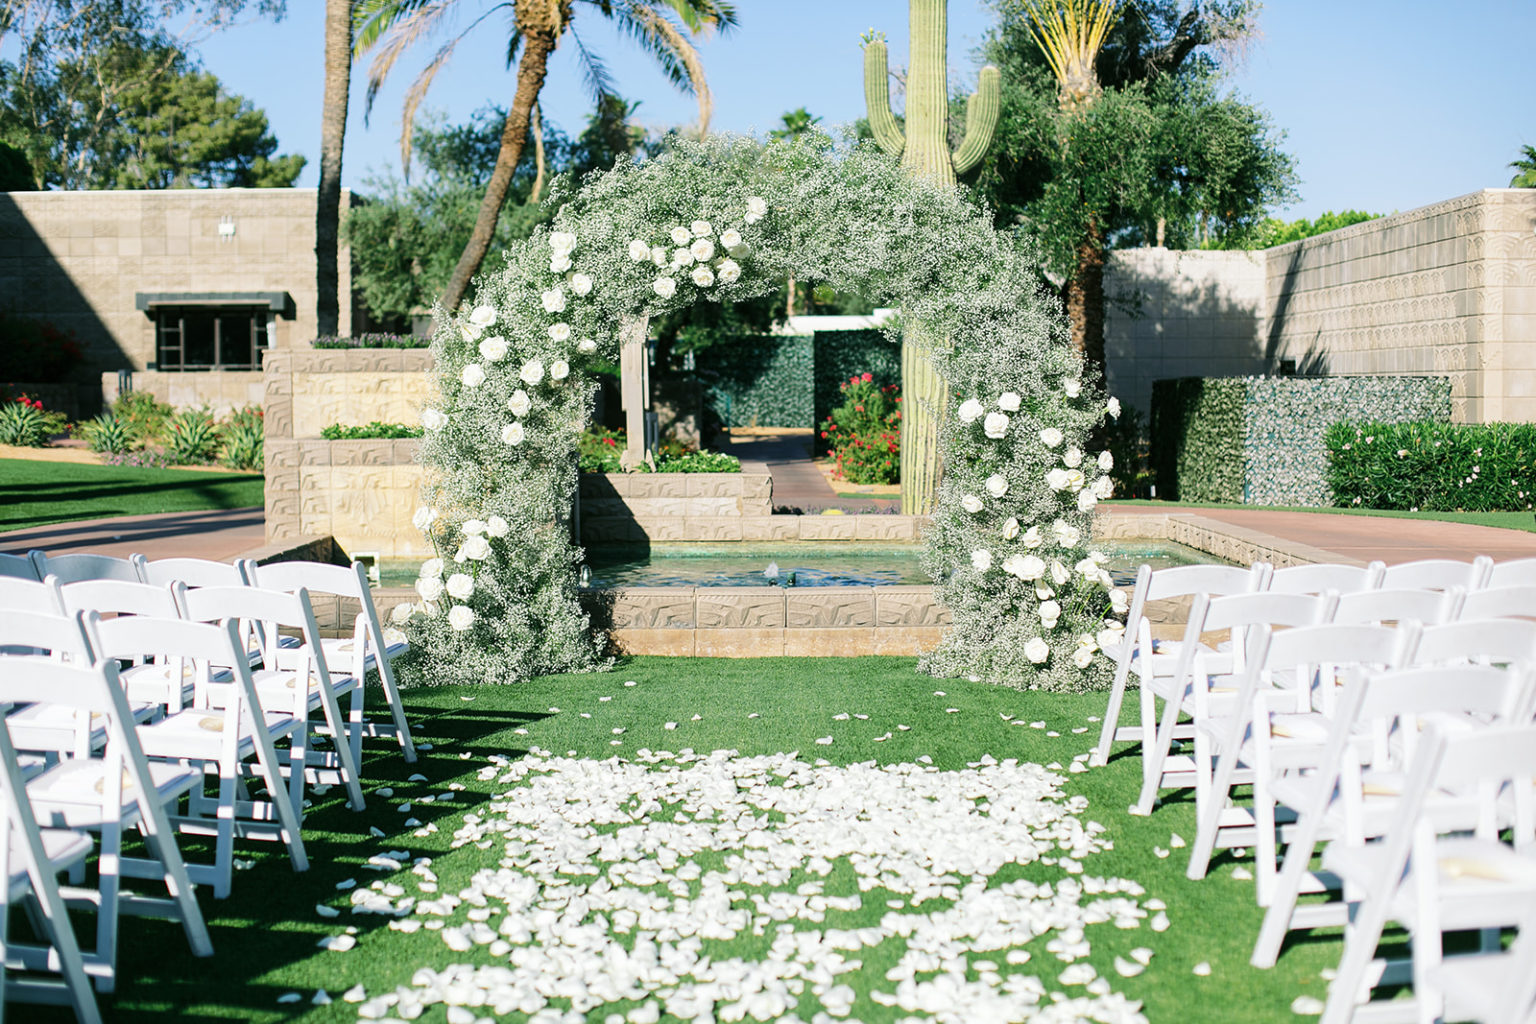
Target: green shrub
370	432
1197	431
191	438
242	438
598	450
699	462
107	434
373	341
1431	466
144	415
1126	439
22	424
864	433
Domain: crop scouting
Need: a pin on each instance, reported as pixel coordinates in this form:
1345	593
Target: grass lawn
41	493
1505	520
265	934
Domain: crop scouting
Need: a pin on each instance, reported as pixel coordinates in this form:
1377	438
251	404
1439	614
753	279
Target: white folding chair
18	594
1438	574
1379	607
1517	572
193	572
1427	874
227	727
70	568
1137	648
1513	601
1492	987
367	649
149	677
1351	796
1325	576
18	567
46	727
109	792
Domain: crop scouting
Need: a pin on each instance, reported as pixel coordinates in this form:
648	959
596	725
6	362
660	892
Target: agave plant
21	424
191	438
242	442
107	434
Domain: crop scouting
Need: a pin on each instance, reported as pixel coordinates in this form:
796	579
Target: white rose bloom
1118	601
477	548
483	316
1043	592
1087	501
1059	573
559	263
513	434
1010	529
1056	479
1103	488
1108	637
1087	567
423	517
1087	640
997	485
471	332
681	258
1075	479
700	228
559	370
586	345
981	559
1098	557
1072	388
1008	401
703	277
562	241
532	372
971	503
730	238
757	209
681	235
473	527
1037	650
554	300
639	250
1072	457
971	410
729	272
460	585
581	284
995	425
1032	537
1066	534
430	588
1050	611
702	250
432	568
461	617
401	612
1113	408
1028	567
1050	437
1106	461
1082	657
519	403
496	527
659	256
473	375
493	349
664	286
432	419
560	333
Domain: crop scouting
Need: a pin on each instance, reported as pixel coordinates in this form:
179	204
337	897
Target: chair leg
1153	758
224	837
396	706
109	885
1111	723
1287	890
1210	820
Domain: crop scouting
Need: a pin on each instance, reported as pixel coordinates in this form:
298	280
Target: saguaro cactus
924	151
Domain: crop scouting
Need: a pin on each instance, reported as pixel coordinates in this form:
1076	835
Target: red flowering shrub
864	433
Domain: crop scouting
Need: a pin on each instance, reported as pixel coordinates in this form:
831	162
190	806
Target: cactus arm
981	112
877	98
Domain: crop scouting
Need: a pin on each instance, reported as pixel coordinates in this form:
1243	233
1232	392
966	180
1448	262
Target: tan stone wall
219	390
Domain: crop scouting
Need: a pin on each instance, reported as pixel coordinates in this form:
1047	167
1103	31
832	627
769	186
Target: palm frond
417	93
593	71
670	46
702	15
371	19
405	31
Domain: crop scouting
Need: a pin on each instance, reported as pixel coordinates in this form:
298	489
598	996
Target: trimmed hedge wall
840	355
1441	467
777	380
1260	440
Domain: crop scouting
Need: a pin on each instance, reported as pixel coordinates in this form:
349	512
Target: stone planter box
306	390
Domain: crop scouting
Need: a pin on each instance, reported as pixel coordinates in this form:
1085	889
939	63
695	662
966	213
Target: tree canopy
1525	169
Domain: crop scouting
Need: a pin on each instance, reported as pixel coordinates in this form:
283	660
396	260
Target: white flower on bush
1065	533
1075	479
513	434
1009	401
1118	601
1050	437
554	300
700	228
971	503
681	258
473	527
1057	479
730	238
997	485
1043	592
729	272
757	209
1104	488
433	419
971	410
559	370
586	346
473	375
1025	567
476	548
461	617
1059	573
1113	408
432	569
493	349
482	317
1050	614
1071	387
639	250
702	250
981	559
562	241
532	372
1106	461
1088	568
460	585
581	284
1032	537
1037	650
664	286
680	235
559	263
1108	637
1072	458
560	333
423	517
1010	529
659	255
496	527
519	403
1082	657
995	425
703	277
1087	501
401	612
471	332
430	588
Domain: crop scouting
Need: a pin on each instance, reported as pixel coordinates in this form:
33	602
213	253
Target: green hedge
1260	440
760	380
840	355
1429	466
370	432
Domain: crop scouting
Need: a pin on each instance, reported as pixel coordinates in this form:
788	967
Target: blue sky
1386	105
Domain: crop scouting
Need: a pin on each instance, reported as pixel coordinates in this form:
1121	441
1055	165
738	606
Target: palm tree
663	27
1525	168
333	130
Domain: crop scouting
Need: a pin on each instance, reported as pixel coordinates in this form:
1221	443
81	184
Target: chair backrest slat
194	572
19	567
1322	577
1502	640
1438	574
1517	572
1506	601
1429	607
80	566
119	597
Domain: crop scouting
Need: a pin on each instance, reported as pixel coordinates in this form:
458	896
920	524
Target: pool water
800	565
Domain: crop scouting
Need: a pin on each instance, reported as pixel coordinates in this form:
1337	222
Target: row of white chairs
1357	718
129	686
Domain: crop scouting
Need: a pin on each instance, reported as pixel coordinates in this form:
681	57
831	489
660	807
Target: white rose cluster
694	248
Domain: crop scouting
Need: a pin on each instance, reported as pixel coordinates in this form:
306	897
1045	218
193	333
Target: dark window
209	337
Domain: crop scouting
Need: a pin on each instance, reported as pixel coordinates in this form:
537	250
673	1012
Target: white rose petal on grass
824	741
1202	969
289	997
639	250
473	375
1159	853
519	403
1176	841
1307	1006
997	485
532	372
669	726
513	434
703	276
559	370
666	287
1160	922
1241	874
553	300
483	316
493	349
1127	968
581	284
971	410
995	425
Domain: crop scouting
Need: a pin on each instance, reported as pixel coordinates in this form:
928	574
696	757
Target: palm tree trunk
1085	299
333	129
538	44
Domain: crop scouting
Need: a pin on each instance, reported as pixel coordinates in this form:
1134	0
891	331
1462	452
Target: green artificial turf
42	493
265	934
1504	520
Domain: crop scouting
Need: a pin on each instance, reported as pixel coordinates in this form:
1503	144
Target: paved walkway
797	483
220	535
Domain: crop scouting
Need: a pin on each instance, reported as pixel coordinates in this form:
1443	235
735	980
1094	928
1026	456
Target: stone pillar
634	389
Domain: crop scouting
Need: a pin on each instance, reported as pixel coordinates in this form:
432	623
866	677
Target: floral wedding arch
729	219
